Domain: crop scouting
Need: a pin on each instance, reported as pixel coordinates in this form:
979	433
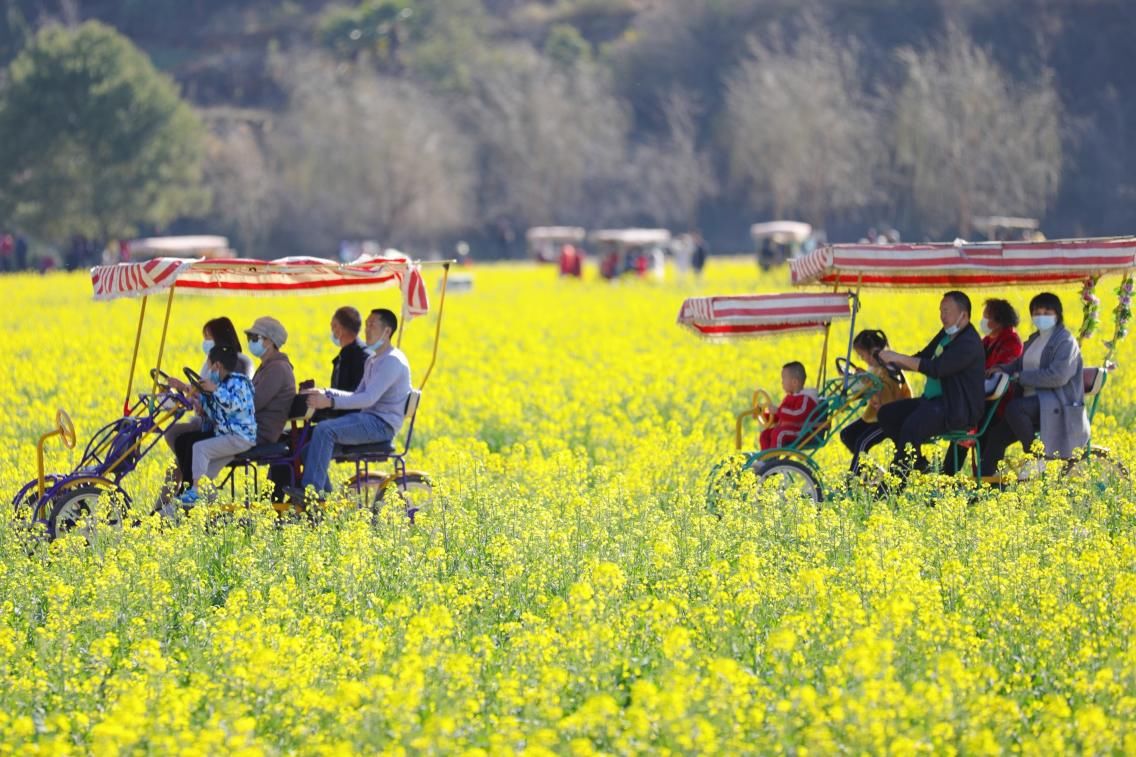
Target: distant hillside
222	51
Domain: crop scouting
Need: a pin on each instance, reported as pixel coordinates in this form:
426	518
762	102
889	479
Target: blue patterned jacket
231	410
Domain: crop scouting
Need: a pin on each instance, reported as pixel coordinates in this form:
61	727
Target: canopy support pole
438	325
852	326
134	359
824	351
165	328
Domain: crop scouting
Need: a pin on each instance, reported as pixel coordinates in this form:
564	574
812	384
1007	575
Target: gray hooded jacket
1060	390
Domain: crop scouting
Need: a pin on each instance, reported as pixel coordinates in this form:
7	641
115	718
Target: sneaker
298	495
1032	469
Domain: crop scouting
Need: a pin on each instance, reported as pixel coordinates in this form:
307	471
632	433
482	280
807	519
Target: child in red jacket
790	415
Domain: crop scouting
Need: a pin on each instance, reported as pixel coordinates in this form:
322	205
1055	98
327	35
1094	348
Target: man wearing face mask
954	364
380	399
274	382
347	367
1051	391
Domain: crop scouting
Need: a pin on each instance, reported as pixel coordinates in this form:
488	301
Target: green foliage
375	27
566	47
96	141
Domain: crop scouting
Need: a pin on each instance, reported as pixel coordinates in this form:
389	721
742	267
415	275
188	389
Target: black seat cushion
364	450
263	451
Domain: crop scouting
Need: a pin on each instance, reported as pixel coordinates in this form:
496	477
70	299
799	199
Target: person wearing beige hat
274	382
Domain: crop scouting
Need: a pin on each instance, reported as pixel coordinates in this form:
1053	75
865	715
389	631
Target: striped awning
258	278
746	315
1053	261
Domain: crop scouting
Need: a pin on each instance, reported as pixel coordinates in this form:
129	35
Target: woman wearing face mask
1000	340
218	332
1051	391
274	381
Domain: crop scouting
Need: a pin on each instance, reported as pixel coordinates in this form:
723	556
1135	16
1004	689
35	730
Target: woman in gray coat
1050	398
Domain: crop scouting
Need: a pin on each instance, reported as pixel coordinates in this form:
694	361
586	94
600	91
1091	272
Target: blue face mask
1044	322
207	345
334	339
257	348
215	377
378	345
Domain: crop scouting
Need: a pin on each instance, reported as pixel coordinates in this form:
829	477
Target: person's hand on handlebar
893	358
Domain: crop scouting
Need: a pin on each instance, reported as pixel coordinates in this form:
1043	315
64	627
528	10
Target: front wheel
789	476
78	508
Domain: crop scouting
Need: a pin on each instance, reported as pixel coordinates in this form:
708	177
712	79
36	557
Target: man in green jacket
955	366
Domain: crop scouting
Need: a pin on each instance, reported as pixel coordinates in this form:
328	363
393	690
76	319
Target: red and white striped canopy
1051	261
744	315
258	278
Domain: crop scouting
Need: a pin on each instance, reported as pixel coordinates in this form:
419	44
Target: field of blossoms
569	591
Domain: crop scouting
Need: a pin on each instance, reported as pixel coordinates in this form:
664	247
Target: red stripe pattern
739	316
1054	261
294	275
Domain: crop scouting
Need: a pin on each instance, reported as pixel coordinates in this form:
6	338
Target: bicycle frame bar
42	485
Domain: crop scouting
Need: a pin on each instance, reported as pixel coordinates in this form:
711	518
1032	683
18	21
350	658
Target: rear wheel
1097	465
78	508
788	477
415	492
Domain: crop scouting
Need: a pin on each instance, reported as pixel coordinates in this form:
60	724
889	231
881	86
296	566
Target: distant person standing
701	252
7	252
21	253
683	250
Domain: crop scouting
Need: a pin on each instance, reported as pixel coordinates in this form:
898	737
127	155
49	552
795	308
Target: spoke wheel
1099	466
788	476
78	509
415	492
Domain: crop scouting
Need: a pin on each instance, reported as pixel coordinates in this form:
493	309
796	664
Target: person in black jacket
346	373
954	364
347	366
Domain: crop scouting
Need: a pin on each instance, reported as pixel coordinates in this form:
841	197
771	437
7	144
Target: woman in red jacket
1001	341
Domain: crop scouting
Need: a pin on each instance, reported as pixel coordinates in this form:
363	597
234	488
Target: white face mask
984	326
954	328
1044	322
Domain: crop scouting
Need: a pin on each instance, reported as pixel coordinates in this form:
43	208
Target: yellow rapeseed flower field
569	591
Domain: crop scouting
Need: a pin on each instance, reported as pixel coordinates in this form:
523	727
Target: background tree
803	139
973	142
367	157
547	134
246	197
96	141
672	174
375	28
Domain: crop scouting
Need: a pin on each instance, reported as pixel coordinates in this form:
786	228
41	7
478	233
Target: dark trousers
1020	423
859	436
910	423
183	451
